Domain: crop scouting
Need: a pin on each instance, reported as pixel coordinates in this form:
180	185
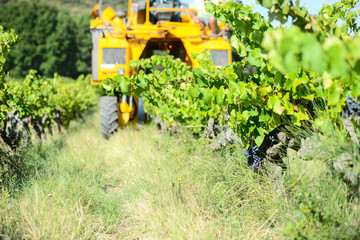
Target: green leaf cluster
7	39
315	60
35	96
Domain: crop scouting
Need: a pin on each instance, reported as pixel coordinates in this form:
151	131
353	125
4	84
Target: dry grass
144	184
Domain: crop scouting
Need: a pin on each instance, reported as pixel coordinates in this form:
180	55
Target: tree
51	40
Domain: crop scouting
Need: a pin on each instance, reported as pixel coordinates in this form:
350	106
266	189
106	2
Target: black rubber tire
108	116
141	113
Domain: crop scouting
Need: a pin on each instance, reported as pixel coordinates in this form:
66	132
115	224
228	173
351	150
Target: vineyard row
37	102
302	73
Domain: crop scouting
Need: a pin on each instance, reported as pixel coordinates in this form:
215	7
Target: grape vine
314	60
37	102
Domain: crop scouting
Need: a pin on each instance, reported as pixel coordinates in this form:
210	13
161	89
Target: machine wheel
141	113
108	116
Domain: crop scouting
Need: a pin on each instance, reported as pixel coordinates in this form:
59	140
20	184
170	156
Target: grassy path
144	184
141	184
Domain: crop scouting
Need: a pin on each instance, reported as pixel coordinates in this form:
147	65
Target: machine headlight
114	56
120	71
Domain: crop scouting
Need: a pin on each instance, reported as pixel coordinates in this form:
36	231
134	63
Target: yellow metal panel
111	71
108	14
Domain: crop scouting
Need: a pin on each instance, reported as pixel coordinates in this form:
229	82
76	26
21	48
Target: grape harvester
150	27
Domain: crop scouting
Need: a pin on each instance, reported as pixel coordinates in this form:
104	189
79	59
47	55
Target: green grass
146	184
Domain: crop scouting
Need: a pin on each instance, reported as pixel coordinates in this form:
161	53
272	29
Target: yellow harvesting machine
150	27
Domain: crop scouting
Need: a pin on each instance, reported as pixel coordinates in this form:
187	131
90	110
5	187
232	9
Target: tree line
52	40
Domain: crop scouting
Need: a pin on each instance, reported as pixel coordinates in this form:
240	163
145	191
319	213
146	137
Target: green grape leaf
193	91
239	46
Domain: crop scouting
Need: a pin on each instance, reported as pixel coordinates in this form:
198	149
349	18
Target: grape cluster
255	155
352	107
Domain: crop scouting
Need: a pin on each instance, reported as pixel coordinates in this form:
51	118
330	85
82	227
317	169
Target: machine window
114	56
219	57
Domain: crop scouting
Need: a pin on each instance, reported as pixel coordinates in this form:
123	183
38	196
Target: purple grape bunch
256	155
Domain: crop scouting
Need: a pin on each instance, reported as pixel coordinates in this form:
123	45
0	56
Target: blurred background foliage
55	36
